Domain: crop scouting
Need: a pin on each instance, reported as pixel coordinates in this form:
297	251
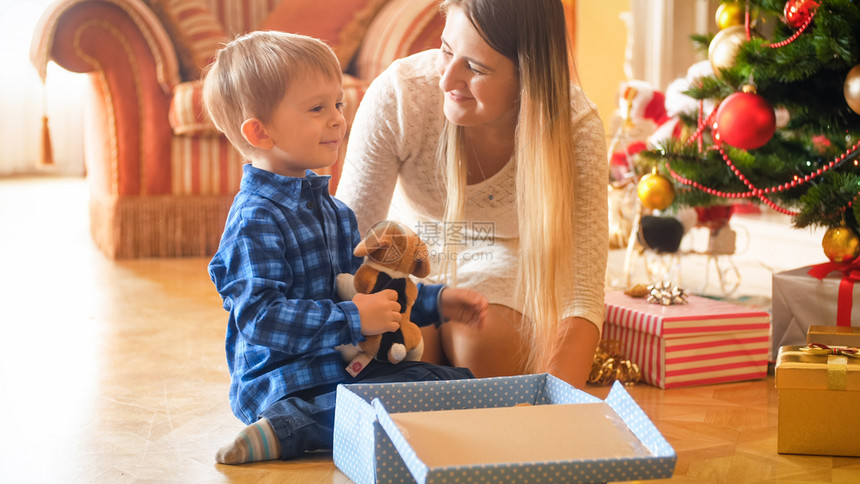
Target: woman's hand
463	305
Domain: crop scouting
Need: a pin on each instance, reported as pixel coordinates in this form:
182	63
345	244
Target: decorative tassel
46	153
46	149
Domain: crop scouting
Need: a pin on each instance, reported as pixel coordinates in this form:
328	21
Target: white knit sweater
391	172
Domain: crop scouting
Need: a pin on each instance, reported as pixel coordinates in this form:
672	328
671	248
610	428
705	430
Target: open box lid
362	448
589	440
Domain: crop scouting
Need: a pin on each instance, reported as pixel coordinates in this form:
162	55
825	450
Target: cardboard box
819	398
801	301
834	335
702	342
530	428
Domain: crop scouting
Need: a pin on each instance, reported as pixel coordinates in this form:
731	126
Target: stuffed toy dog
392	253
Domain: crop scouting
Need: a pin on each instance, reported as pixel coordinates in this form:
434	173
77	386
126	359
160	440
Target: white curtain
662	50
23	99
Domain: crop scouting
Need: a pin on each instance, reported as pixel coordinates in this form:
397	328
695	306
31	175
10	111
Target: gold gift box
819	402
834	335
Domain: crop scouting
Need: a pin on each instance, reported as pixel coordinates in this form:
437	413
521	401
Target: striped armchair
161	179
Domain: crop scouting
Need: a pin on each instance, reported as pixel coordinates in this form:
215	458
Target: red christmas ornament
797	12
745	120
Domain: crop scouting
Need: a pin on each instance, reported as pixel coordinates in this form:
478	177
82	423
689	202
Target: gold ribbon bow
610	365
837	362
666	294
820	349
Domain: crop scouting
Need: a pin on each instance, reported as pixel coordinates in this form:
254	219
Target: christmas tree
778	122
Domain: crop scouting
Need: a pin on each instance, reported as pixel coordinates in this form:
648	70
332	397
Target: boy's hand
463	305
379	312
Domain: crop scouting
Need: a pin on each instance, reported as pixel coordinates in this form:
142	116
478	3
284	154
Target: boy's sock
255	443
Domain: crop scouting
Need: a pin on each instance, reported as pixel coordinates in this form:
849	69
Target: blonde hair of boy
251	75
534	36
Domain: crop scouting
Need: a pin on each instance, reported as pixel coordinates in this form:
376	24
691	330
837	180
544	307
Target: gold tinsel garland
610	365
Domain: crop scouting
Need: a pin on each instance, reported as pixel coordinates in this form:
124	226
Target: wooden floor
114	372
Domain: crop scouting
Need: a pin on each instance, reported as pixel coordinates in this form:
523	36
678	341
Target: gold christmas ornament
841	244
655	191
730	14
852	89
724	47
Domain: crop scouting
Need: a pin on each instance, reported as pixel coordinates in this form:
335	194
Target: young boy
278	99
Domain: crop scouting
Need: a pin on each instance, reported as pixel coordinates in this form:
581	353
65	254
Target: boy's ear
255	133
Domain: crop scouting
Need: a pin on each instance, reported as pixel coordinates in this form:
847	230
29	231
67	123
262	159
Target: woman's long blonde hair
532	33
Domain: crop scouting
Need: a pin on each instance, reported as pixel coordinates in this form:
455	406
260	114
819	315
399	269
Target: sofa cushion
196	32
187	115
402	28
340	23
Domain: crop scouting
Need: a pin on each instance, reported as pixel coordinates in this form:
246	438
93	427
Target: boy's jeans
305	422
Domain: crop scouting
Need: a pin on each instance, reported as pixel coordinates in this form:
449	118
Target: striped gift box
698	343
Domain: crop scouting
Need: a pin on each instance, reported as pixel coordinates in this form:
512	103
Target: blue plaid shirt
285	241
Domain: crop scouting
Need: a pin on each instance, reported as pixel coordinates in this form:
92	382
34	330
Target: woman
500	166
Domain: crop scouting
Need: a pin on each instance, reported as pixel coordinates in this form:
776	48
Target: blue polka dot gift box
530	428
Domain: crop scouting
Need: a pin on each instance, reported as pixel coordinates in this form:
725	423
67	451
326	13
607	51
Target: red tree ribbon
845	299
